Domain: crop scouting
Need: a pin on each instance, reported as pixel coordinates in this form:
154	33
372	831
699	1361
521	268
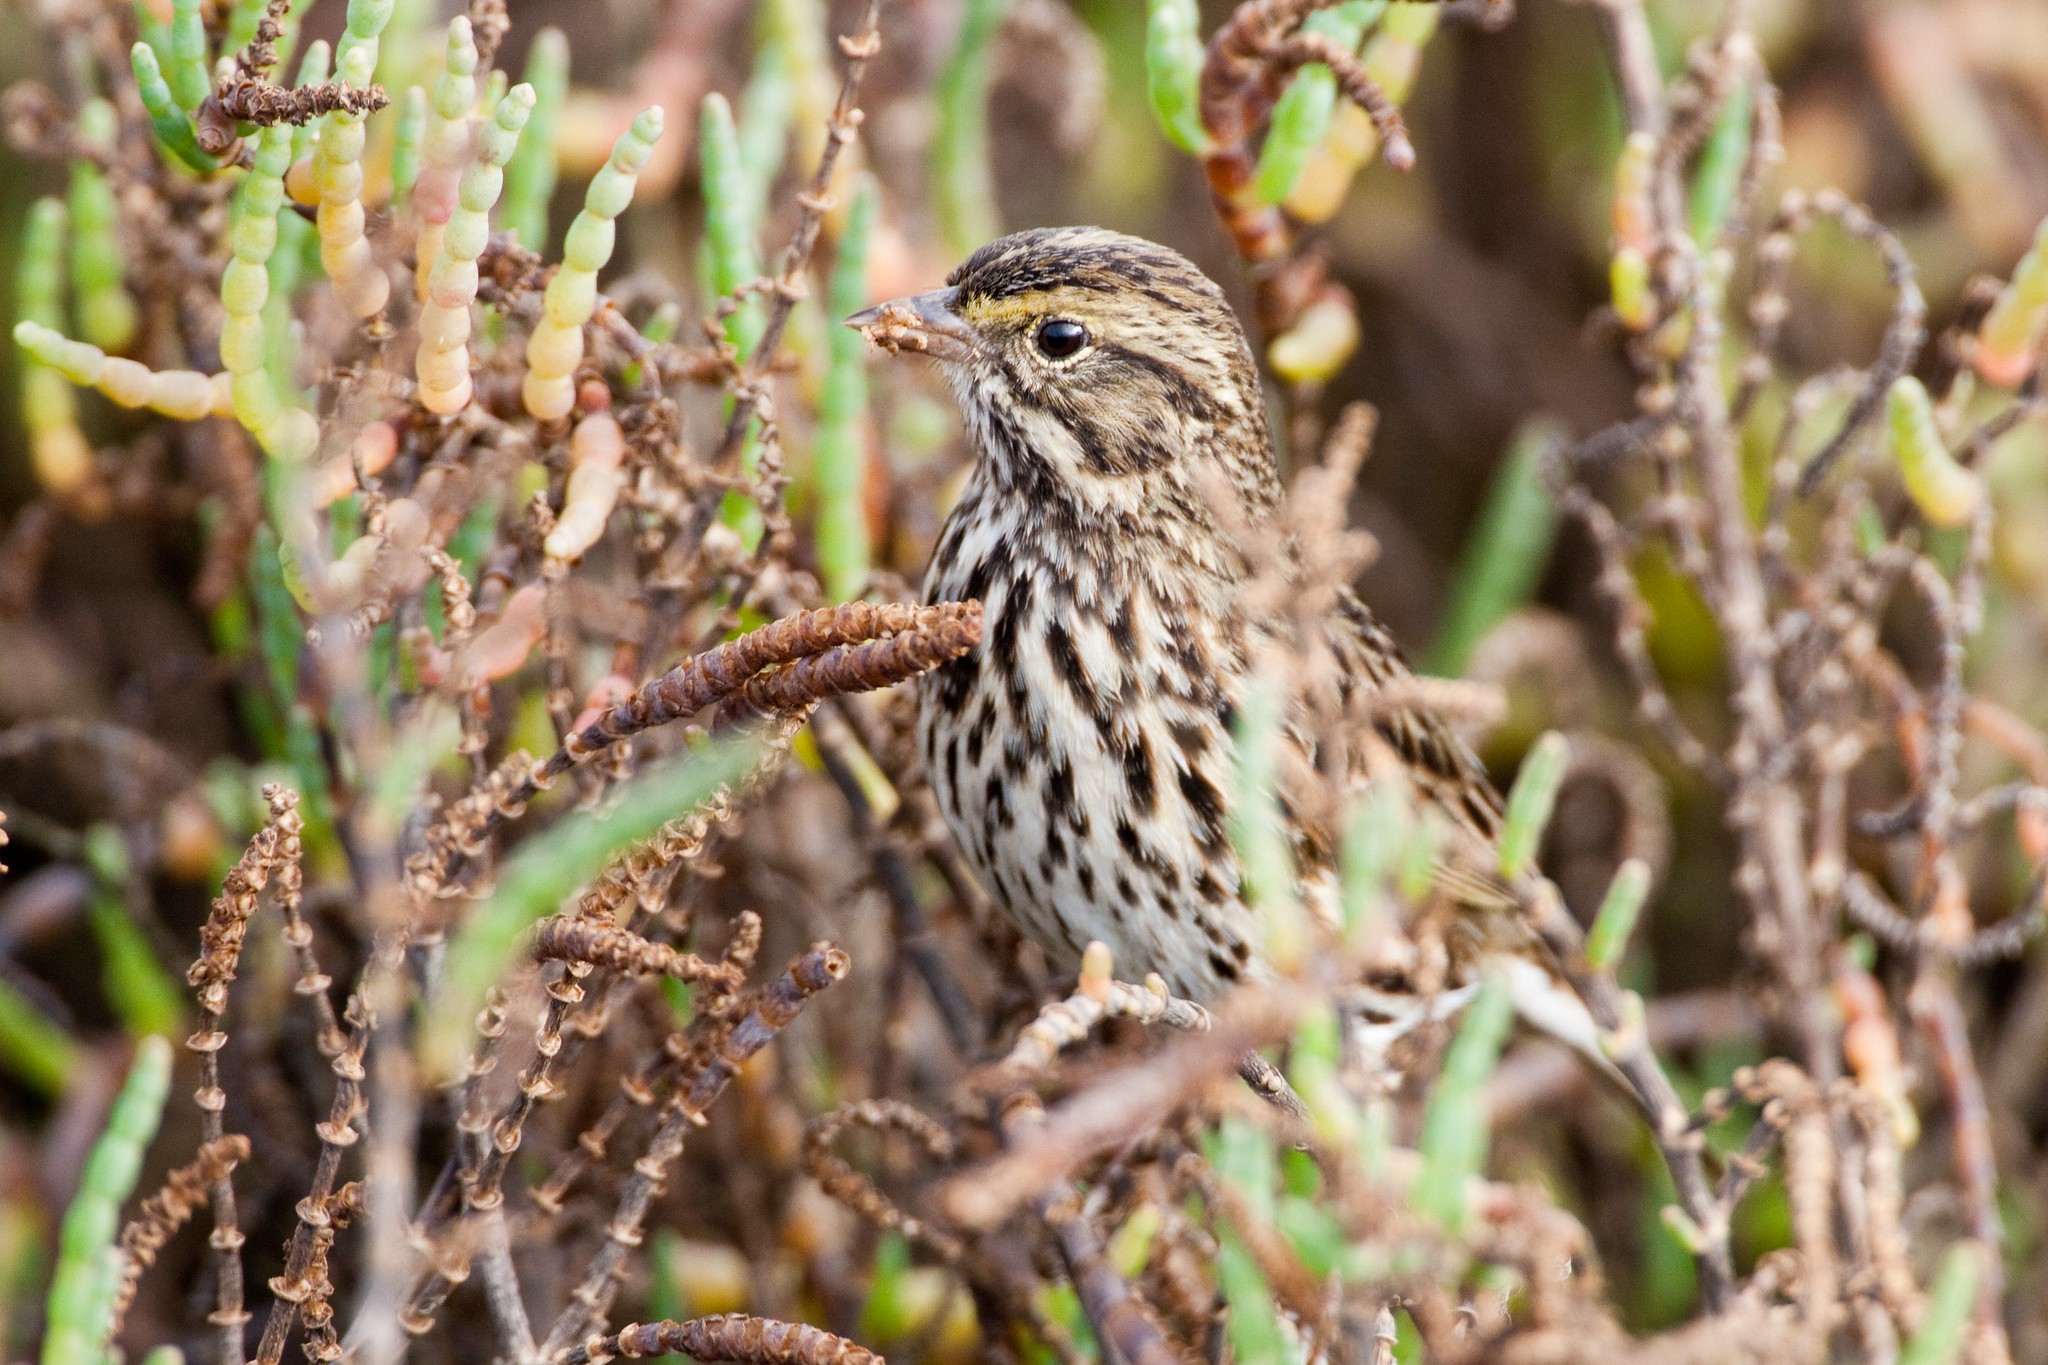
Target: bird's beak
925	323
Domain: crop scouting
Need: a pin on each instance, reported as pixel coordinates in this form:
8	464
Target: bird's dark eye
1060	338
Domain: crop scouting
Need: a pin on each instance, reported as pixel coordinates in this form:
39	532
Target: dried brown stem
1933	1004
1120	1317
1633	50
642	1088
1903	335
321	1345
1235	97
1250	58
184	1192
489	20
1765	810
1619	1016
1795	1108
254	61
855	1190
1131	1098
836	738
501	1286
780	669
1293	1285
591	925
340	1130
1063	1023
489	1148
1123	1321
864	667
273	852
472	1120
719	675
728	1337
1357	85
592	944
775	1008
264	104
1616	582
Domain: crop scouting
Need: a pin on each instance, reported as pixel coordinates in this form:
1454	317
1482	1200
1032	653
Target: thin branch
736	1337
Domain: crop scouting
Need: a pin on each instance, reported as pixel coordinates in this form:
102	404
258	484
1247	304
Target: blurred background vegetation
1482	278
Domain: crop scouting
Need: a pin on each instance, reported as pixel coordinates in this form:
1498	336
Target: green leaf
1510	546
35	1047
1530	802
530	178
1616	920
837	462
1720	169
1455	1133
1173	72
146	996
1315	1234
1949	1305
1253	1324
81	1302
886	1315
963	190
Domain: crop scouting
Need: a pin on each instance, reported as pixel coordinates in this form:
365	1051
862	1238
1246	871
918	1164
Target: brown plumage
1083	753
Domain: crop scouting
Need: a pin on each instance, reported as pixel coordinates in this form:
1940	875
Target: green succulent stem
838	457
1509	548
1454	1128
81	1303
963	190
530	176
1530	802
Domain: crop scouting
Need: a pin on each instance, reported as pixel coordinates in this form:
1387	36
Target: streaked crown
1097	367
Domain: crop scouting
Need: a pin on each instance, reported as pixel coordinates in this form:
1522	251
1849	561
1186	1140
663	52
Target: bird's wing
1371	689
1442	766
1493	932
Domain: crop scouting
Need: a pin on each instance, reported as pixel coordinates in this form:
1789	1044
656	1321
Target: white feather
1550	1006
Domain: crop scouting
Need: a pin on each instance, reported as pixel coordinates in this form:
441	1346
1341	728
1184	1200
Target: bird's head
1105	361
